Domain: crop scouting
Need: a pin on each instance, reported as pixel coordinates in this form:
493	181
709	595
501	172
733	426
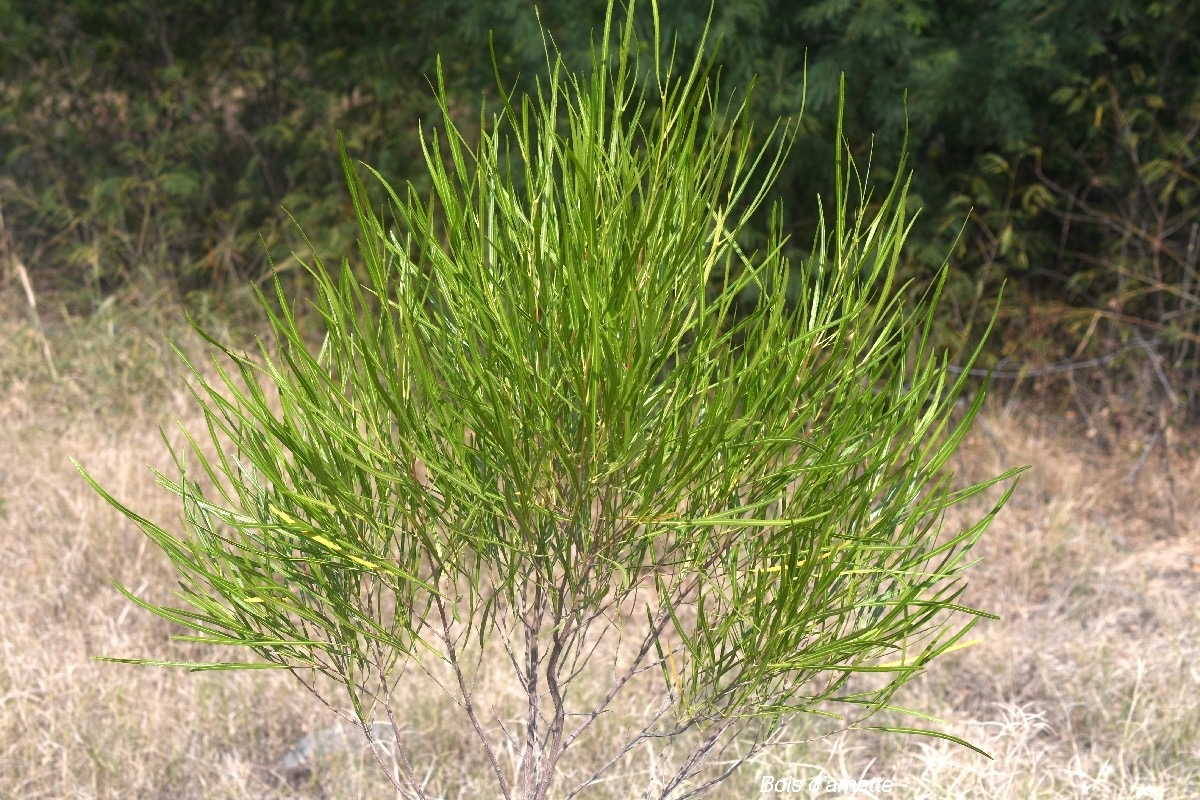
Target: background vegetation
149	146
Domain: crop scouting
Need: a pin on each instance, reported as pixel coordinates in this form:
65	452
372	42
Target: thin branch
1053	369
530	761
468	705
401	750
690	766
638	738
630	672
555	733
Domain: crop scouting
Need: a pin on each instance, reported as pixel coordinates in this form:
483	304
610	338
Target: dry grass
1088	687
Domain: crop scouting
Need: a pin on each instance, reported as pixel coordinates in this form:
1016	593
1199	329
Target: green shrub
533	423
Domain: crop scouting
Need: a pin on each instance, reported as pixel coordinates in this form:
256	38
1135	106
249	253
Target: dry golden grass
1088	687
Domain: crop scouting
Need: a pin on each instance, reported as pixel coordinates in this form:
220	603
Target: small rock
298	763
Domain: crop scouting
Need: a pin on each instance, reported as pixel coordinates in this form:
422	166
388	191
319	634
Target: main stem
531	767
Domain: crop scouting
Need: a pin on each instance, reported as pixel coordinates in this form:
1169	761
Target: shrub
533	425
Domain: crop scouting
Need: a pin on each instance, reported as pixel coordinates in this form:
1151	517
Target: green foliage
533	419
162	139
146	139
1064	130
1124	193
1003	113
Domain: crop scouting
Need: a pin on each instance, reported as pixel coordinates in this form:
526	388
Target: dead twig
8	247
